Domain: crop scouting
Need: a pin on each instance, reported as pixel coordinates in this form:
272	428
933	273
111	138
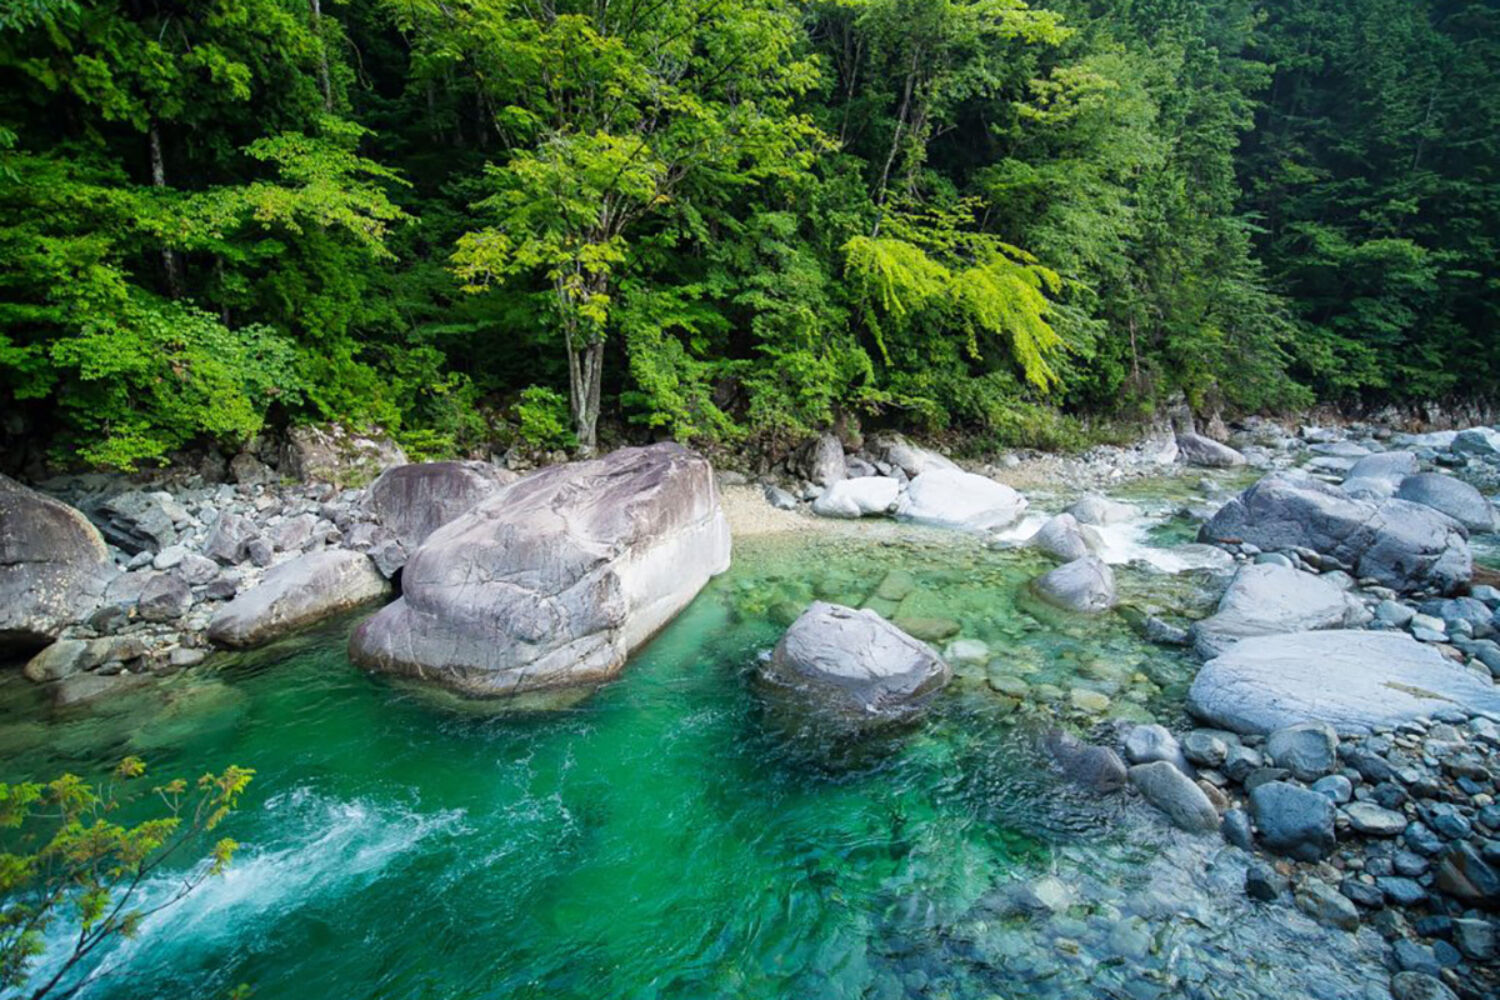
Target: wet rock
54	566
1308	749
1098	511
1204	748
555	580
1152	742
1175	794
1293	821
295	594
1399	544
856	662
1084	585
861	497
1096	768
1413	957
1327	905
1476	939
1449	496
1335	787
1362	893
1241	761
1467	877
1235	827
1400	891
1363	680
1195	449
1271	600
951	498
1062	538
1264	883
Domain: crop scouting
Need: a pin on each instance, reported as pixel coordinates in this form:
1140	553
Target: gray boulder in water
1062	537
1267	599
1085	585
298	593
54	566
952	498
1450	496
555	580
1354	680
1195	449
412	501
1175	794
1402	545
858	497
856	662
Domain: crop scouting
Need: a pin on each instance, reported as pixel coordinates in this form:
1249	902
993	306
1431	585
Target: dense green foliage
482	221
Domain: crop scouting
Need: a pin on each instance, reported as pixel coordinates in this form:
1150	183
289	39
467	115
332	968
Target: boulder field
555	580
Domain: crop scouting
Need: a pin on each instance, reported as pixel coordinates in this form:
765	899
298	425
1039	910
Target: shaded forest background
479	223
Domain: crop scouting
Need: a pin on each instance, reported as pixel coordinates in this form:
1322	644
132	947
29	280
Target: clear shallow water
669	837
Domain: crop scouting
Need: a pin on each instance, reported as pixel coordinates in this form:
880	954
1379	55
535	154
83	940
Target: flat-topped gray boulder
952	498
1450	496
855	662
54	566
1195	449
296	594
413	501
1267	599
556	579
1085	585
861	496
1353	680
1402	545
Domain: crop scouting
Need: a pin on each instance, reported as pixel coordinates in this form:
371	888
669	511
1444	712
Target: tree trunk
586	377
169	262
323	79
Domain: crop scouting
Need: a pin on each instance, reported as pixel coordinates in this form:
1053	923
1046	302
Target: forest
568	223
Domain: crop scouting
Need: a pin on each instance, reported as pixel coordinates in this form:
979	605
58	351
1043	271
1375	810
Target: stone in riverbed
1084	585
1099	769
297	593
1150	742
1327	905
1198	450
1267	599
858	497
1062	538
555	580
856	662
952	498
413	501
1419	986
1352	680
54	566
1293	820
1308	750
1400	544
1175	794
1372	820
1450	496
164	598
1099	511
1377	476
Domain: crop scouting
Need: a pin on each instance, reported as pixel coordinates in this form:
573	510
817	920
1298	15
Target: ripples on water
661	838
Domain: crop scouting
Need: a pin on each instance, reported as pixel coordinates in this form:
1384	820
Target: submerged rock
952	498
856	662
1084	585
557	579
1175	794
295	594
1062	537
1267	599
1352	680
1097	768
1400	544
54	566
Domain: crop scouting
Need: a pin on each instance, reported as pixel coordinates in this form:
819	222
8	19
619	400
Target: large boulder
1085	585
333	454
555	580
952	498
1195	449
1377	476
858	497
1401	544
1450	496
1353	680
413	501
1267	599
1477	441
1062	537
140	522
855	662
910	459
297	593
821	461
54	566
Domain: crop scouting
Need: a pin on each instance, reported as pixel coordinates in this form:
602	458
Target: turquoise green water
666	836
